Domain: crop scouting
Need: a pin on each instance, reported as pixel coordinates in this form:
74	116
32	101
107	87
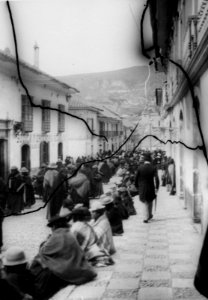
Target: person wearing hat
147	182
17	274
113	215
60	261
79	186
38	181
15	192
121	171
87	238
28	190
3	208
104	168
54	191
127	200
97	184
102	227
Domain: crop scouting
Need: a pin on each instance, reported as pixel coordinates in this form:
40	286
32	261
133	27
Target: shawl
103	231
62	255
81	184
87	239
50	178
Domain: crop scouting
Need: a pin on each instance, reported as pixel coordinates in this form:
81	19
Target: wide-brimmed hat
24	170
102	196
81	211
97	206
59	219
107	200
14	256
14	168
52	166
122	189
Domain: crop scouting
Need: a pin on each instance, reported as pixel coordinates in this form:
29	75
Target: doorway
44	153
3	159
25	156
60	151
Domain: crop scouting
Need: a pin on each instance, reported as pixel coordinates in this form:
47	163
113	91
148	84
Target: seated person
127	200
113	215
87	238
17	281
121	169
120	207
60	261
67	206
102	228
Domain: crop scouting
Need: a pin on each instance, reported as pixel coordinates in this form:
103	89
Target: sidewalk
154	261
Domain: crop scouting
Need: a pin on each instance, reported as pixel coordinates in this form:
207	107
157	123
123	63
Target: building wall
80	141
191	166
10	108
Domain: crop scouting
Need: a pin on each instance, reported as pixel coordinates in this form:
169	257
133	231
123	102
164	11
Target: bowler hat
59	219
14	256
13	168
106	201
96	206
43	165
52	166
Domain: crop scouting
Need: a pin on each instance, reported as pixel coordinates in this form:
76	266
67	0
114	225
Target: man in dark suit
147	182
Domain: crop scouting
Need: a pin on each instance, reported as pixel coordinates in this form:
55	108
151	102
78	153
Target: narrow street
154	261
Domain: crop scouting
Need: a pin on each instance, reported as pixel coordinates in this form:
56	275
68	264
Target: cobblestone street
154	261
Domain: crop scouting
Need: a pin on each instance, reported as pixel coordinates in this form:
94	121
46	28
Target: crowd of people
82	217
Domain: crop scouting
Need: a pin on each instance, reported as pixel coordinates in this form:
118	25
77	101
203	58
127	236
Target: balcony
110	134
202	23
190	40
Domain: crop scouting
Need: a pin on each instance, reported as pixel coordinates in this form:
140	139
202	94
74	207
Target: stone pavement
154	261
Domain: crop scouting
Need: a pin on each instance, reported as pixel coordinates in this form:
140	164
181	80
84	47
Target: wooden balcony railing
202	24
111	134
190	40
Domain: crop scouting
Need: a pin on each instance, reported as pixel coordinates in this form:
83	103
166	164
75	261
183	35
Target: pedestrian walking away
147	182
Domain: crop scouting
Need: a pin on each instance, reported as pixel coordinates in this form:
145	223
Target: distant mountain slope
122	90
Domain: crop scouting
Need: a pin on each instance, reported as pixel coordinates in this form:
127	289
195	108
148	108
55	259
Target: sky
75	36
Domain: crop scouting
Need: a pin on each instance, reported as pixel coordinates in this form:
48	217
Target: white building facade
30	136
188	48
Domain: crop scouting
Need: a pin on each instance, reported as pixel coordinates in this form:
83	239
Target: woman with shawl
87	238
60	261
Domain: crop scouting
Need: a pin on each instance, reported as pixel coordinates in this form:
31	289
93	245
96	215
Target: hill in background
123	91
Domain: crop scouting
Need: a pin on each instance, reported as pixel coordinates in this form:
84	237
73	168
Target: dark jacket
200	280
147	181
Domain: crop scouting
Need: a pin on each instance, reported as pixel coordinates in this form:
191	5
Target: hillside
121	90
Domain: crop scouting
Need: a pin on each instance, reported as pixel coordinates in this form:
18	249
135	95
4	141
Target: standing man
53	190
147	183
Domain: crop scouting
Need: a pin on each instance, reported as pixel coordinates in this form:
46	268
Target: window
27	114
90	122
46	116
60	151
102	128
25	156
44	153
61	118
